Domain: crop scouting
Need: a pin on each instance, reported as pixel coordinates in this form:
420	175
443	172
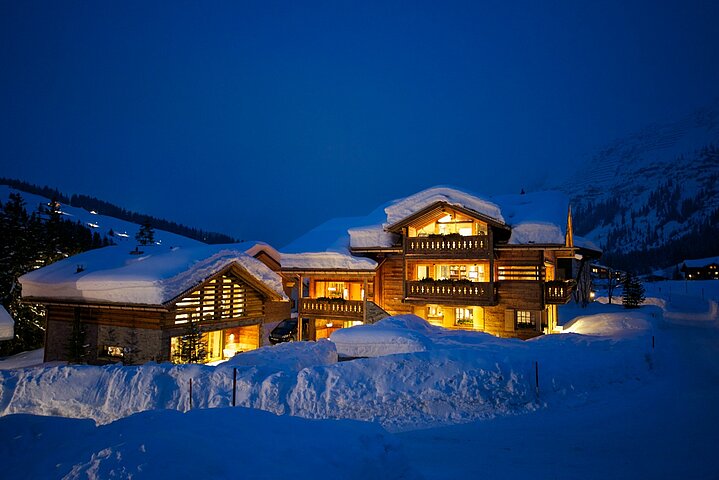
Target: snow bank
400	334
216	443
403	208
31	358
450	376
112	274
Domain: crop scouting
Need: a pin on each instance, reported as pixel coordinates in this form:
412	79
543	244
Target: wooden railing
471	293
313	307
558	291
448	246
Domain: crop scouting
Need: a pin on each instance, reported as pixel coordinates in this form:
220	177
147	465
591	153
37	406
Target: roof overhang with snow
153	279
432	211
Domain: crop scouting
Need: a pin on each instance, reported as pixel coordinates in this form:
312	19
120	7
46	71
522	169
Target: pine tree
192	348
633	294
146	234
76	346
132	348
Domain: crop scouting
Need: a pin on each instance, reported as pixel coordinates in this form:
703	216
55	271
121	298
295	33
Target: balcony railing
469	293
558	292
448	246
313	307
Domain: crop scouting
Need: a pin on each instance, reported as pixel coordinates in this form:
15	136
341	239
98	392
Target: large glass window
224	344
474	272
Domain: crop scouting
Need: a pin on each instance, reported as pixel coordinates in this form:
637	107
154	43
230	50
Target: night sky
263	119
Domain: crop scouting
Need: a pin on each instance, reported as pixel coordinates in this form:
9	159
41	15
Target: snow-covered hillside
123	232
629	394
651	191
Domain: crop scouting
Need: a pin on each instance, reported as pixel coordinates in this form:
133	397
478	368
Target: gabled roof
155	277
701	262
402	210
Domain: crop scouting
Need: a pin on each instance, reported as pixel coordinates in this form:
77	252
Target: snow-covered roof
372	236
535	218
326	261
155	277
408	206
7	325
538	217
701	262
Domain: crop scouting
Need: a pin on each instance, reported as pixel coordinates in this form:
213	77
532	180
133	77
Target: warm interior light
329	324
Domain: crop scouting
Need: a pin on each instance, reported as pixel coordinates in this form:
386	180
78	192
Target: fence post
234	386
536	377
190	394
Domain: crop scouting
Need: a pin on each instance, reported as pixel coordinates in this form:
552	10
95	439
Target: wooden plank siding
392	273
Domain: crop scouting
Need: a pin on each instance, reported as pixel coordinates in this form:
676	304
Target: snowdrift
455	377
173	445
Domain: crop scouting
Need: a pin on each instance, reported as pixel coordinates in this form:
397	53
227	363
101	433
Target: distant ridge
651	199
90	203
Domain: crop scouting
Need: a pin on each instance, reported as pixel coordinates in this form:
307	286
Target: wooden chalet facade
453	266
229	303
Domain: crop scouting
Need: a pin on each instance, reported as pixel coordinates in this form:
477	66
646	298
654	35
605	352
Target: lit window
463	316
525	319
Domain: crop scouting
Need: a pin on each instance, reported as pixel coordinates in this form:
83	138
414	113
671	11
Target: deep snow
608	404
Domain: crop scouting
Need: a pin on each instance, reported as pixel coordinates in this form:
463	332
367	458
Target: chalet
134	306
451	257
701	269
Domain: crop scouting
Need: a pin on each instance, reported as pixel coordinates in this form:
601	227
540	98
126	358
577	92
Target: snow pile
326	261
451	376
242	443
401	209
30	358
7	325
290	356
399	334
112	274
612	324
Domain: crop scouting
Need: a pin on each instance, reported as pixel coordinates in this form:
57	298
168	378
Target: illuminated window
422	272
525	319
464	316
519	272
221	298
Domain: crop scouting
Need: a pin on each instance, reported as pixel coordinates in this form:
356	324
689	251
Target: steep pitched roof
113	275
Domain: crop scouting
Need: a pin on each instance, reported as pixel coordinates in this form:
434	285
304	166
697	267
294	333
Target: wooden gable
438	210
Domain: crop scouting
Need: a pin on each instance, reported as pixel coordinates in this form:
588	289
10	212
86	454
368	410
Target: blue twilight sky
263	119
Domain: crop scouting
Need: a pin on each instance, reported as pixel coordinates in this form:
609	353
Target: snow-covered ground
465	405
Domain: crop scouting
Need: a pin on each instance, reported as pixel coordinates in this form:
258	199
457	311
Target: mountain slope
652	199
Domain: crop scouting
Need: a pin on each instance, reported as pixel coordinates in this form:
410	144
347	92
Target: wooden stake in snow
234	386
190	394
536	377
652	342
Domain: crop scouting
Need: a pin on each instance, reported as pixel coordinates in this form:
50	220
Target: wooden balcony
457	293
448	246
558	292
325	308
